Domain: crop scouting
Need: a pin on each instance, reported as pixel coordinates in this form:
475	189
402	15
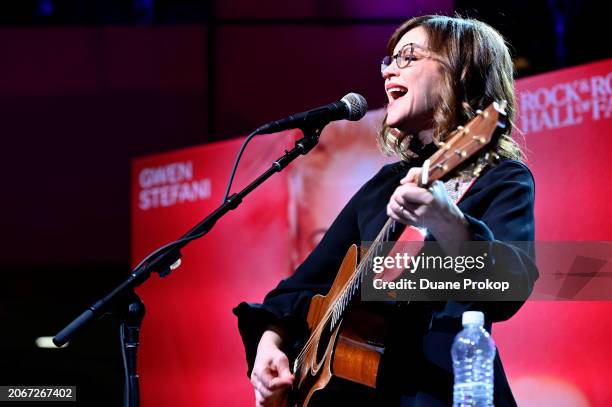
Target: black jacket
498	207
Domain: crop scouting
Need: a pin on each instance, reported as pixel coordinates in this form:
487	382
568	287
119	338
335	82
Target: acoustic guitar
348	343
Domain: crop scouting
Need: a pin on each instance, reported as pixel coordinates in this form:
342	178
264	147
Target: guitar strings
353	280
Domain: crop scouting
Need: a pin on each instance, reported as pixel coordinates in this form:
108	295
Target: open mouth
396	92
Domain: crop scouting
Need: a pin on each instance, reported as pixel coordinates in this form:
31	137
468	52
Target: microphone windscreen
357	106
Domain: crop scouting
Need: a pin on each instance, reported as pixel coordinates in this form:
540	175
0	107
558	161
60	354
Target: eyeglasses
404	56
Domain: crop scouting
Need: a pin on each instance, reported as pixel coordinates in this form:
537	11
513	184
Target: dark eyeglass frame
401	59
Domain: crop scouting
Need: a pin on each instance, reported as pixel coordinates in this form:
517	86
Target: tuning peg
442	166
443	146
461	153
501	106
481	140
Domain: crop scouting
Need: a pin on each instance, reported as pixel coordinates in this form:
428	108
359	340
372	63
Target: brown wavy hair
476	70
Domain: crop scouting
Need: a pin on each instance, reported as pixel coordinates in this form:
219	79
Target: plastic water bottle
473	352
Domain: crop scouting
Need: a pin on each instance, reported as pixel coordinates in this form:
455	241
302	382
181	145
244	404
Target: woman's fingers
280	383
259	387
265	376
413	175
412	194
281	364
259	399
409	204
396	217
271	376
272	381
401	214
399	201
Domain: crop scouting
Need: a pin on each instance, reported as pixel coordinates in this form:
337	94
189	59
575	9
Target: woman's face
413	91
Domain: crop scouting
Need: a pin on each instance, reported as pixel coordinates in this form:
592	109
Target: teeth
398	90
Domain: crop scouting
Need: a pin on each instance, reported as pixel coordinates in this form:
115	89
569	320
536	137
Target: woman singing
437	72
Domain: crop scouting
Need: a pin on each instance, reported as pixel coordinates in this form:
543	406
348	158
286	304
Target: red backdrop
555	353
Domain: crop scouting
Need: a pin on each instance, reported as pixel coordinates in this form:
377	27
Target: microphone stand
124	301
129	331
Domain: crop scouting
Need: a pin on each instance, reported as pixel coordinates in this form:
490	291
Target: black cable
235	167
169	246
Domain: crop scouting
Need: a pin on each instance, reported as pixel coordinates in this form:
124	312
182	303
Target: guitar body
351	351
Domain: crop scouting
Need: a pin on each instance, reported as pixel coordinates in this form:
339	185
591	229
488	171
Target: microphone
352	107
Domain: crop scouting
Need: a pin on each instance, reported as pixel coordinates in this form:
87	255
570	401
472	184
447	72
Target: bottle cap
472	318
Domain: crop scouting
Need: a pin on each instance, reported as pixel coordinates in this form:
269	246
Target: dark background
85	86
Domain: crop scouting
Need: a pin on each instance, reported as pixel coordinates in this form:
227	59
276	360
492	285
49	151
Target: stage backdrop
555	353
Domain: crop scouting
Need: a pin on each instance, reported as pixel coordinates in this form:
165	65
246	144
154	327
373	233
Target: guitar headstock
465	141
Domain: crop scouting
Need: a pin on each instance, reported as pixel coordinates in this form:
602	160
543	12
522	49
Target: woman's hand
271	376
431	209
